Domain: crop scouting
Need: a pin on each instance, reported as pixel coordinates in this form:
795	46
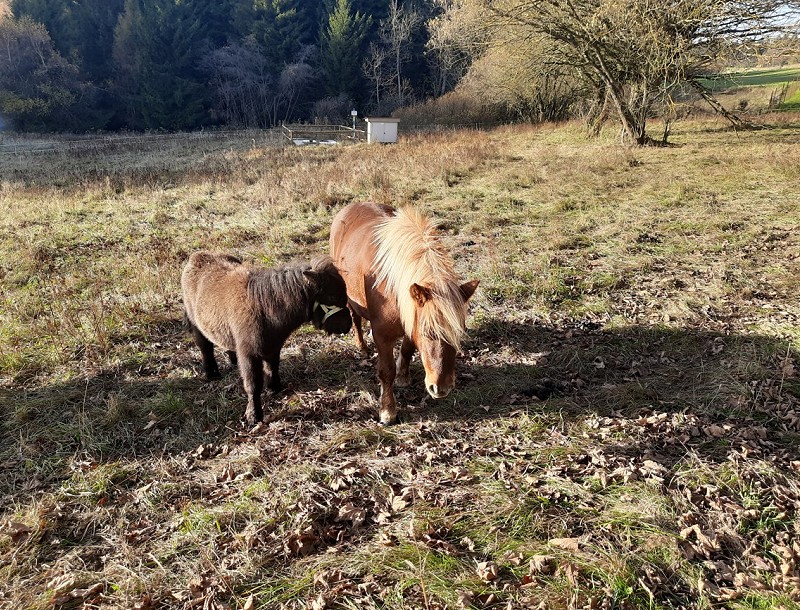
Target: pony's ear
420	294
468	289
311	274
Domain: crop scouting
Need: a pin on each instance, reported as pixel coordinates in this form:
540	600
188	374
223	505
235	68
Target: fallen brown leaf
486	570
303	544
352	513
16	531
568	544
542	564
78	594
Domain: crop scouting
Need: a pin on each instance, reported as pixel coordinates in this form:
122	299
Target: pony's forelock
409	252
323	264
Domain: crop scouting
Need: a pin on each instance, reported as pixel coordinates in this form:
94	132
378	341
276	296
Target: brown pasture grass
624	433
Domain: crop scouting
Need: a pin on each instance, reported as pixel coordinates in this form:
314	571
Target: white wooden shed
382	129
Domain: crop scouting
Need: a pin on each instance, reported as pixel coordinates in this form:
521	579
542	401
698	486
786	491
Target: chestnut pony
250	312
400	278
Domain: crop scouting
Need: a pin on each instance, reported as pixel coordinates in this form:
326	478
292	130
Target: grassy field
625	432
760	77
758	89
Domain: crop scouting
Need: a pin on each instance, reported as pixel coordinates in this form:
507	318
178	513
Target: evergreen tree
214	18
377	10
158	49
417	68
47	12
277	26
154	64
342	44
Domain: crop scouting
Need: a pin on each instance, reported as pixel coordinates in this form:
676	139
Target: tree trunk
599	116
634	129
732	118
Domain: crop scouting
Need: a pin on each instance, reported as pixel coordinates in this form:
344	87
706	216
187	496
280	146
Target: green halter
328	310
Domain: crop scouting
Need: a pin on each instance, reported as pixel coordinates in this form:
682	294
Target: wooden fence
302	135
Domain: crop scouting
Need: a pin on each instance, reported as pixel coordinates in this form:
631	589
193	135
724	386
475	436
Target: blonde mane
409	252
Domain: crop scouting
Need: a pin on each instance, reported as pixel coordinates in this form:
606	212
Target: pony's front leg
207	353
252	372
407	349
386	376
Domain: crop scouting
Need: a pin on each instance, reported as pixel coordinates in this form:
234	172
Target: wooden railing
301	135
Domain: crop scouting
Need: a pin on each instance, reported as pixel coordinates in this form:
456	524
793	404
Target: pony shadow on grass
155	403
739	383
165	407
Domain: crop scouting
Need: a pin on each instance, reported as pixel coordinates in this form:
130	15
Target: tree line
183	64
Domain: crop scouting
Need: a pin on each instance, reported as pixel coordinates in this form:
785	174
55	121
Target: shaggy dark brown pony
250	312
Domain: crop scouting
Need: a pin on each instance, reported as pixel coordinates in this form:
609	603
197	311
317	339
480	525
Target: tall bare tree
456	38
374	68
396	31
248	92
243	83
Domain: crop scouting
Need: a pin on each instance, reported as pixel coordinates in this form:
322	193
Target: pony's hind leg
407	349
252	372
274	361
359	332
207	352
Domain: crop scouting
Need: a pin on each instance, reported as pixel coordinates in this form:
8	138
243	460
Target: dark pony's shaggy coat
250	312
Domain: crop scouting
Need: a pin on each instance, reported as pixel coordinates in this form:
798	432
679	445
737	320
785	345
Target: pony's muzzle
437	391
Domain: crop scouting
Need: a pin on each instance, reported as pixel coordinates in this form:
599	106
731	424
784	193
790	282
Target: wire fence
36	144
422	128
15	144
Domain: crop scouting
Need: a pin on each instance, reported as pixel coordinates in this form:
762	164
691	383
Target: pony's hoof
251	420
390	422
213	375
